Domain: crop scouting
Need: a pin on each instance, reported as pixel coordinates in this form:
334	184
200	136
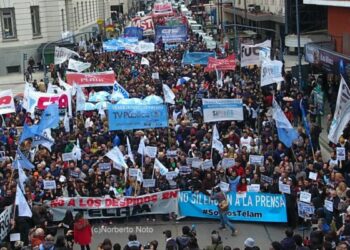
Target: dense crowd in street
190	137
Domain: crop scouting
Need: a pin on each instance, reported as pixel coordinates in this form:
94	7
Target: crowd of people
191	137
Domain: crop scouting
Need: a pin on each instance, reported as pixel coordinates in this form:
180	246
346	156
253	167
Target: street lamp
298	34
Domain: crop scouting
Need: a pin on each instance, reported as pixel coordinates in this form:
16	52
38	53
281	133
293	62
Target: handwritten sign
284	188
148	183
185	170
151	151
266	179
328	205
305	197
74	174
340	153
256	159
155	76
207	164
67	156
49	184
171	175
133	172
104	167
171	153
313	176
225	187
197	163
253	188
227	162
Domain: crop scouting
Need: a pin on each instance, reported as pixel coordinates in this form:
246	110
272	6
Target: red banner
91	79
228	63
161	9
146	23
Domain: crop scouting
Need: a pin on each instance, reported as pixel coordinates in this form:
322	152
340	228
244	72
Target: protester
82	232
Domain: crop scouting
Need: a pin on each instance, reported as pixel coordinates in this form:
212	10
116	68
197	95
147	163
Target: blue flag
21	160
50	118
28	132
286	133
305	122
119	88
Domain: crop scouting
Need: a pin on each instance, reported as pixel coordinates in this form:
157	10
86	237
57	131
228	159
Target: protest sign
104	167
68	156
256	159
151	151
207	164
222	110
340	153
253	188
49	184
228	162
133	172
284	188
305	197
149	183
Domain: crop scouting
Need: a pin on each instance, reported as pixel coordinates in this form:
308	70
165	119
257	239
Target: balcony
257	16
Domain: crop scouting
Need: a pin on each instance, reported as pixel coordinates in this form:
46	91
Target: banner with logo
7	104
271	72
160	9
5	219
260	207
146	23
127	117
63	54
133	32
77	65
39	101
222	110
171	34
228	63
97	207
197	57
91	79
250	54
114	45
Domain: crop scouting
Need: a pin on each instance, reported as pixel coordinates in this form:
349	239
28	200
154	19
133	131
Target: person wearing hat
249	244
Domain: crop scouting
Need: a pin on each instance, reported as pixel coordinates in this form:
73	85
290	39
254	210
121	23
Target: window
90	10
75	18
78	15
8	23
86	12
62	16
82	12
35	15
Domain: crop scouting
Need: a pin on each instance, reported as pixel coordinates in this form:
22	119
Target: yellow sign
100	21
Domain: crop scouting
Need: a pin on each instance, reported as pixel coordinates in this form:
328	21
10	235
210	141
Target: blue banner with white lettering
171	34
197	57
261	207
133	32
127	117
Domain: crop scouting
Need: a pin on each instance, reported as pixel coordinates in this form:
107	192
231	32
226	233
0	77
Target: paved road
147	231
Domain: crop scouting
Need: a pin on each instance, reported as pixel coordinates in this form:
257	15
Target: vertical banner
271	72
5	219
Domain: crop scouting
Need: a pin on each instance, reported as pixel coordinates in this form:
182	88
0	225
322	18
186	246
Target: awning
292	40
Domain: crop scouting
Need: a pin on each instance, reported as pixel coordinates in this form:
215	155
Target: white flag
162	169
66	123
169	95
7	104
23	207
63	54
64	84
216	134
117	156
176	115
142	146
131	156
144	61
217	144
342	112
101	112
77	65
139	176
76	153
184	110
271	72
80	101
21	177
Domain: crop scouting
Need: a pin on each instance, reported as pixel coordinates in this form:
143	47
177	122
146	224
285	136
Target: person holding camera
223	207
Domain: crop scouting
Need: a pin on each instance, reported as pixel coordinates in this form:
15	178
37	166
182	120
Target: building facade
27	24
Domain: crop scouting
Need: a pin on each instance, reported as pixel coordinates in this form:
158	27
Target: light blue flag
28	132
305	122
50	118
118	88
22	161
286	133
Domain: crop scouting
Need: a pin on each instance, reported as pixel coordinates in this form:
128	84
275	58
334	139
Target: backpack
182	242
